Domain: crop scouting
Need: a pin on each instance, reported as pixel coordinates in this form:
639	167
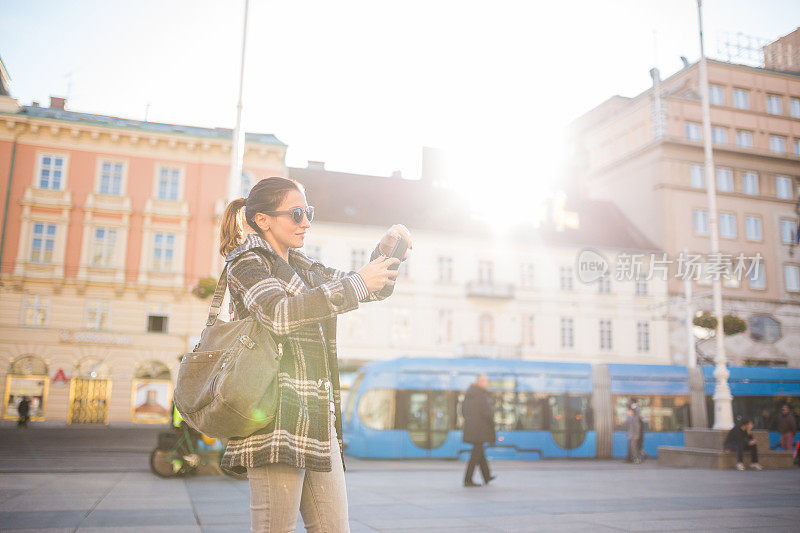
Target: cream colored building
646	155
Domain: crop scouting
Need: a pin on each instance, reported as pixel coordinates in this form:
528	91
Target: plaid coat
298	302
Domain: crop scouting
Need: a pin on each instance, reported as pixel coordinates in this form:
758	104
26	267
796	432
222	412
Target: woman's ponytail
231	231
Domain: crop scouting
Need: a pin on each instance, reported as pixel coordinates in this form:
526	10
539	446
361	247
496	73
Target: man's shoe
490	479
740	466
756	466
471	483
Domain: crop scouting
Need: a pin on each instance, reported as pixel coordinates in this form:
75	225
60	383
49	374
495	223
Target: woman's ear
261	221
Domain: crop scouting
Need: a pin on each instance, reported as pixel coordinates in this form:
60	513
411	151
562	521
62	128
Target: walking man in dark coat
478	413
23	410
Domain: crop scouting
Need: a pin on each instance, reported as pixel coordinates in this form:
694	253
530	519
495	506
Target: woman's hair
266	195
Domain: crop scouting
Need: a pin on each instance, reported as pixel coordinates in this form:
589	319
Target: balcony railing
494	351
484	289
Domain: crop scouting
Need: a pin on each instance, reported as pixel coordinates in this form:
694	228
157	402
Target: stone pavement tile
172	501
230	528
383	524
41	519
48	502
41	530
140	517
364	512
357	526
221	519
139	529
699	524
225	507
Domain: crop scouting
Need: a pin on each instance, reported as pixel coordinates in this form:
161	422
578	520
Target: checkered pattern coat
298	302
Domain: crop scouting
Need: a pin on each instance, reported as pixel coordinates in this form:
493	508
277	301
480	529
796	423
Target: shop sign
60	377
94	337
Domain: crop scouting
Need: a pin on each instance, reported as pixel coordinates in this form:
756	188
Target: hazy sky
363	85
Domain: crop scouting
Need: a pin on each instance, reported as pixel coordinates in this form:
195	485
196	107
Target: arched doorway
28	377
89	393
151	393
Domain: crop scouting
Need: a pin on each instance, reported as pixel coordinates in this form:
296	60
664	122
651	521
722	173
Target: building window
43	242
716	95
157	323
640	287
777	144
35	310
485	272
97	314
606	339
757	275
445	269
247	183
111	175
750	183
169	180
744	139
794	107
527	275
724	180
764	328
719	135
51	172
698	177
527	330
445	326
741	98
693	131
788	231
727	225
358	258
103	247
797	147
643	336
400	325
163	251
774	104
752	225
783	187
567	333
604	284
486	329
565	277
791	274
700	217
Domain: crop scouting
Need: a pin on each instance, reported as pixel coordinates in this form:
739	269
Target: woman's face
281	228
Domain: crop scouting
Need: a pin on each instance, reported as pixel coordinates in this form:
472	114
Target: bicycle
177	454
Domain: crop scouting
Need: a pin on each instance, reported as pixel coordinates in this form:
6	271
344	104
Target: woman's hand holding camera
376	273
390	238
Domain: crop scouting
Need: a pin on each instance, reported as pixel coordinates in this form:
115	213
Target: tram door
429	420
88	401
568	420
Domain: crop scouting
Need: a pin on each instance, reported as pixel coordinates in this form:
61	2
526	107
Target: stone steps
703	449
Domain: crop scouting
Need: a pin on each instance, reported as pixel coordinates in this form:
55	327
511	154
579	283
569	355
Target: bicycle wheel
162	465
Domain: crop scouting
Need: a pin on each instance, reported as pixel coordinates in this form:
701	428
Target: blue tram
410	407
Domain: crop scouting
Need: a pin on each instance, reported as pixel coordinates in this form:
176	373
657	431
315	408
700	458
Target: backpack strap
219	294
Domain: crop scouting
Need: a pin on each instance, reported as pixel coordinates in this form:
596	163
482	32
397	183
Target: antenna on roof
146	111
741	48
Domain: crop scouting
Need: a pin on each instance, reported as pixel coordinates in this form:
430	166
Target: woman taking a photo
295	463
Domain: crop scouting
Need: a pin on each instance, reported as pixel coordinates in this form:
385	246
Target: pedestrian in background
23	411
634	433
787	427
295	463
478	412
740	439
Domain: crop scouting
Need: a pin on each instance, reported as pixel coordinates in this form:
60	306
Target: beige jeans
278	491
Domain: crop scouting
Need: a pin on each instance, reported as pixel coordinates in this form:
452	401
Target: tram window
350	402
660	413
762	410
377	409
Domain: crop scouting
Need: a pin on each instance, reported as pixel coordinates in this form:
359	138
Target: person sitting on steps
739	439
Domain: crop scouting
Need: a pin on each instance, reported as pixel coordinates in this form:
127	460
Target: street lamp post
237	147
723	411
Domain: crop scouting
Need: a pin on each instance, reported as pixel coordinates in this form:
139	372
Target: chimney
57	103
684	61
34	104
316	165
